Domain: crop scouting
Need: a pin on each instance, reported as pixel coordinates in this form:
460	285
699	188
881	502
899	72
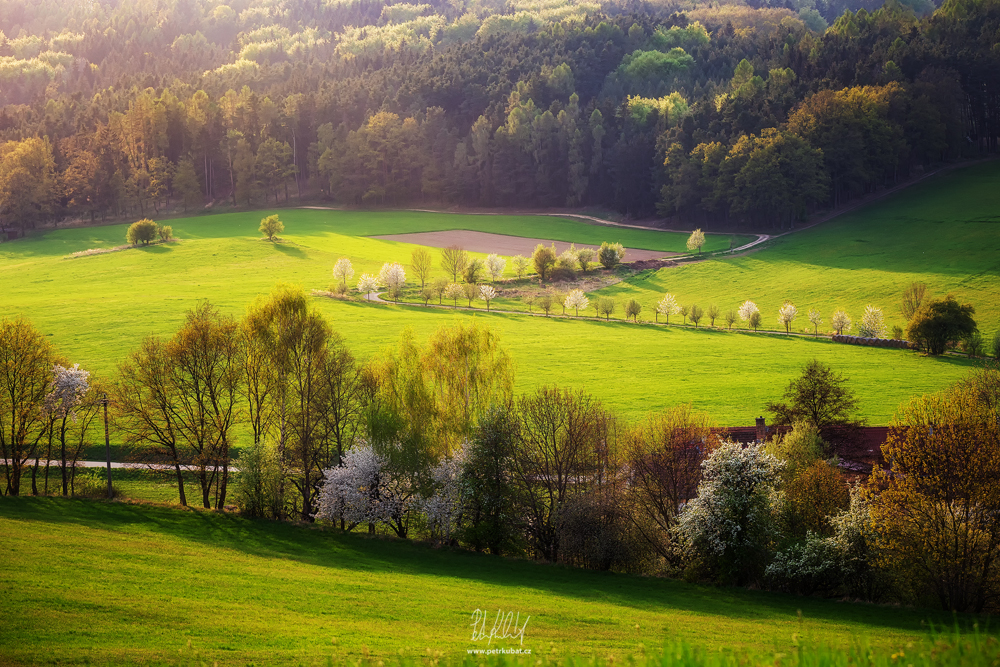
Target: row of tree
754	119
429	440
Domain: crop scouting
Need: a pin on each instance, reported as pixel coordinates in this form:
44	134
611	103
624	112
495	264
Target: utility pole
107	441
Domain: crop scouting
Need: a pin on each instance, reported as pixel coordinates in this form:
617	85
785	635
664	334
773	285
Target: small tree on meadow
529	301
786	314
684	311
544	259
731	318
755	320
696	313
747	309
545	303
713	314
473	270
819	396
840	322
576	300
521	265
913	298
165	232
606	306
367	284
817	319
872	324
611	255
427	294
439	286
667	307
454	292
696	240
343	271
393	276
940	323
632	309
495	265
453	261
421	263
585	257
471	291
487	294
141	232
271	226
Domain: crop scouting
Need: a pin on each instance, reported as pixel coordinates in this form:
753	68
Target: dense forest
717	114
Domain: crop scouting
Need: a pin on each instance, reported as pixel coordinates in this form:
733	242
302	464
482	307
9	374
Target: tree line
428	440
748	119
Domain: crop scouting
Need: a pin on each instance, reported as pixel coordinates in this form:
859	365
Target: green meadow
96	309
90	582
944	232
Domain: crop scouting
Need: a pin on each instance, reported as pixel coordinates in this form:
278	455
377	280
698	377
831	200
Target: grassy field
96	309
944	232
113	583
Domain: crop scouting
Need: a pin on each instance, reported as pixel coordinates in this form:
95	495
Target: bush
166	231
811	566
544	259
94	484
258	486
610	255
142	232
597	532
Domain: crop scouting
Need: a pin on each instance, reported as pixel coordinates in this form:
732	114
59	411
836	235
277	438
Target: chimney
761	429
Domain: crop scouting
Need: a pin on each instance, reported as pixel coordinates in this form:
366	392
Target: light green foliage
141	232
611	254
671	109
271	226
798	448
165	232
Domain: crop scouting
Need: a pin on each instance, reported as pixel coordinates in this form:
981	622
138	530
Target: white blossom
815	317
696	240
872	324
343	270
668	306
747	309
66	391
841	322
495	264
392	275
444	507
361	490
786	314
576	300
487	294
454	292
367	283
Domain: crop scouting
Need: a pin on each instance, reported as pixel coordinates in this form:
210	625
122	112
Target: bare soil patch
503	244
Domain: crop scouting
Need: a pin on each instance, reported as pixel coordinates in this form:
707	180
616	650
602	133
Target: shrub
941	323
94	484
165	232
473	269
271	226
141	232
811	566
544	260
596	531
611	254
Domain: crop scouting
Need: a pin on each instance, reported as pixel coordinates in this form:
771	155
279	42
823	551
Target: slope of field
97	309
91	582
944	232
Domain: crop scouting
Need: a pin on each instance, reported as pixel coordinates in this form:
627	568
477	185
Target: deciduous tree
819	396
343	271
453	261
696	240
421	263
576	300
271	226
544	259
941	323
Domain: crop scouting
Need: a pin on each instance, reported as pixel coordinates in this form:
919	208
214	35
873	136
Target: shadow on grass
326	547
